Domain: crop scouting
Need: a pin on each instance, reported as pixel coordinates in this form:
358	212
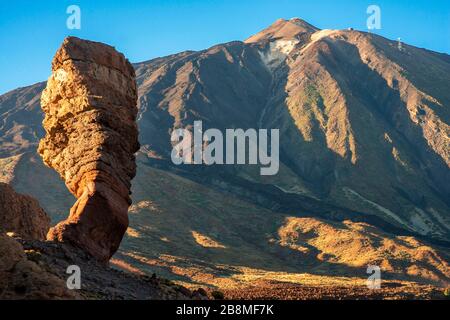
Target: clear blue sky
31	31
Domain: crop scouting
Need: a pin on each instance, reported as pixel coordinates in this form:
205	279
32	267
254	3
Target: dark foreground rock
32	269
22	214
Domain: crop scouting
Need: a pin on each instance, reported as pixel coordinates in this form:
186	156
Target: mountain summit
283	29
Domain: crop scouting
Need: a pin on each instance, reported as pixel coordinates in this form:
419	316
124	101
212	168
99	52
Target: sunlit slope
190	233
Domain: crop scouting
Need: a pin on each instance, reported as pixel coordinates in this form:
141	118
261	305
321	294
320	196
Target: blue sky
31	31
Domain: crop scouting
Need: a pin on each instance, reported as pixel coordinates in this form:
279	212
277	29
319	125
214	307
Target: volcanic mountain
364	161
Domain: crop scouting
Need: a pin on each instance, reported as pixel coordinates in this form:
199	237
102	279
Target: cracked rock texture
91	137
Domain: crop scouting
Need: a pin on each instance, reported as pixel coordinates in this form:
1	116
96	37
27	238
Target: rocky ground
363	179
289	291
39	272
37	269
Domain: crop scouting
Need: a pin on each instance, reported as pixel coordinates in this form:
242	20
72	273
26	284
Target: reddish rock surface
22	214
91	137
23	278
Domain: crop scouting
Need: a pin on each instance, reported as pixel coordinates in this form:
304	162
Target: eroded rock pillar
90	106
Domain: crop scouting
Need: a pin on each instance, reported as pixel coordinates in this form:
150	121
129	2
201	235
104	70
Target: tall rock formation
91	137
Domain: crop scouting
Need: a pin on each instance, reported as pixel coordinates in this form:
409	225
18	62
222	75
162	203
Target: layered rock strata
91	137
